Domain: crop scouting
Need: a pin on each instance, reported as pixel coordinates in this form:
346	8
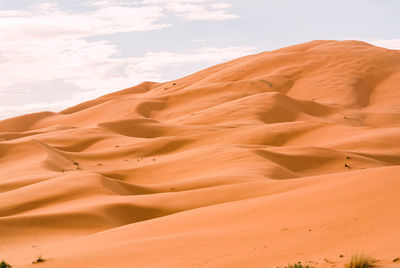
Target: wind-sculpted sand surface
284	156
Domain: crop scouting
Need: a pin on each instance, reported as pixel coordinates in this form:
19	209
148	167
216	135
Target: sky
57	53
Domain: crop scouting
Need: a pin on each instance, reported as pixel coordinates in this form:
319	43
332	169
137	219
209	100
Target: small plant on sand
38	260
76	164
3	264
360	261
297	265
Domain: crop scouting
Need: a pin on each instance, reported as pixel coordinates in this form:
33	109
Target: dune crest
283	156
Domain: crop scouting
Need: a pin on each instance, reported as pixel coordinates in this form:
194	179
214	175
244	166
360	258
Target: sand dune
284	156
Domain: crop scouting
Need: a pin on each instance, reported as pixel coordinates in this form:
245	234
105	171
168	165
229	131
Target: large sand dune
284	156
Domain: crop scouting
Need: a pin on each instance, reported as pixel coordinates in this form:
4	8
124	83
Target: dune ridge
283	156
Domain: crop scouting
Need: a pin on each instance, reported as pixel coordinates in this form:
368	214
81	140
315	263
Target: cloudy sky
58	53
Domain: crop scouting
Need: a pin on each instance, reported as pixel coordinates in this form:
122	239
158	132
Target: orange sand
238	165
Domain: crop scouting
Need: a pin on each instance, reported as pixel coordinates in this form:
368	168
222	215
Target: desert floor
284	156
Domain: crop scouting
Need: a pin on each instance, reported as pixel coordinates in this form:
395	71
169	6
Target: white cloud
221	5
106	3
153	61
13	13
44	45
47	7
386	43
96	71
185	9
15	110
47	21
195	9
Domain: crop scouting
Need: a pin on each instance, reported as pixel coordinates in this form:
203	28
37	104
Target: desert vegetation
3	264
360	261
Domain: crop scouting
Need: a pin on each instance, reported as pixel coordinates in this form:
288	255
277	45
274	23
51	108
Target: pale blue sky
54	54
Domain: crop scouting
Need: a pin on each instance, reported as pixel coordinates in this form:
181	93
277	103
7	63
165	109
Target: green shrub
3	264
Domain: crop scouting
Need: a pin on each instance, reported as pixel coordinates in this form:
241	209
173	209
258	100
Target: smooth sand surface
284	156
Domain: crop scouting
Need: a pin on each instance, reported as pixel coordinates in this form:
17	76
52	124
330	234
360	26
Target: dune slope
284	156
